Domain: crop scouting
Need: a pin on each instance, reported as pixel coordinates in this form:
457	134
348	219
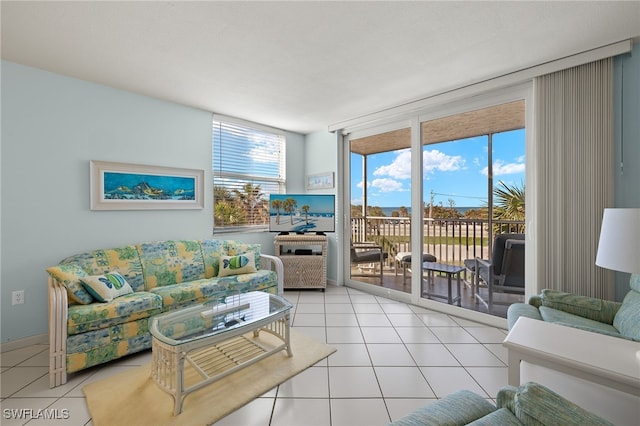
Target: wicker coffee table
213	339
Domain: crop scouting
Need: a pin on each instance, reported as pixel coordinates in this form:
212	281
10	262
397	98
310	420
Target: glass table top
216	317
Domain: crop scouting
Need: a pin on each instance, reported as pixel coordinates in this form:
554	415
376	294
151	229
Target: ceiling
495	119
302	65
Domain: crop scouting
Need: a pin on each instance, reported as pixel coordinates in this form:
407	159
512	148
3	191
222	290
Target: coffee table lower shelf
211	361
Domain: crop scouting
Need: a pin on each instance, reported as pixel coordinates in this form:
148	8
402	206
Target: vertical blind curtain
574	134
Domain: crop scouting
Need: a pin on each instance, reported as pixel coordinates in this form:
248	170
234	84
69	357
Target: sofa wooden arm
58	312
274	263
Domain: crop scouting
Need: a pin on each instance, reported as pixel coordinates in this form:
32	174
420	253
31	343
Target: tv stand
303	270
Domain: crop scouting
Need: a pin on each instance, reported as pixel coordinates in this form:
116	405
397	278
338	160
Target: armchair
371	254
528	404
586	313
505	272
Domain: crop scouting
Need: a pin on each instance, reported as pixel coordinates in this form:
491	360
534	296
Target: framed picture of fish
123	186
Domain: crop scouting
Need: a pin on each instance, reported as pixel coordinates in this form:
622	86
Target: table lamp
619	246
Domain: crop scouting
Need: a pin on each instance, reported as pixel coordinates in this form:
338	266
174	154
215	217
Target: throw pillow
69	275
107	287
627	319
234	265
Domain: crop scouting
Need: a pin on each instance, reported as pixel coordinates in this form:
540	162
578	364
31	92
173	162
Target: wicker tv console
304	258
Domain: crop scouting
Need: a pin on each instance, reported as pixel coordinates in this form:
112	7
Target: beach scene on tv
301	213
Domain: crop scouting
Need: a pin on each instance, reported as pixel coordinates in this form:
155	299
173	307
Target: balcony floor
390	280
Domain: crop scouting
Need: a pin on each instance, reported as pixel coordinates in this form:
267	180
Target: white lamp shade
619	246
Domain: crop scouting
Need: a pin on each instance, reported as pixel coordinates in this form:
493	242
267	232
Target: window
248	165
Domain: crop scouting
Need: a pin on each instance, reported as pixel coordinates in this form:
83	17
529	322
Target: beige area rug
133	398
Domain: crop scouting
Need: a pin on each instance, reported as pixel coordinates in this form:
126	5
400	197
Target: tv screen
301	213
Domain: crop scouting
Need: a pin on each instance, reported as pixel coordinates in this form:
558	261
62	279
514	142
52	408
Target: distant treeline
439	212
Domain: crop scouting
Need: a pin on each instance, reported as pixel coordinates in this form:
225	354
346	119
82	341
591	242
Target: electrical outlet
17	297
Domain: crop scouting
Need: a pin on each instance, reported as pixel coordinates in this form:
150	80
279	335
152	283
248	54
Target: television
302	213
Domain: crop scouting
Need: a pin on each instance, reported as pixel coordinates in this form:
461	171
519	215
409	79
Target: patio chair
403	259
505	272
371	254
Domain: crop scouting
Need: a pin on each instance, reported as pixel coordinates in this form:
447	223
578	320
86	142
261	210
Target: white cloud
433	160
500	168
387	185
400	168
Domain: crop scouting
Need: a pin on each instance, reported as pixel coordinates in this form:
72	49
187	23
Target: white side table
592	367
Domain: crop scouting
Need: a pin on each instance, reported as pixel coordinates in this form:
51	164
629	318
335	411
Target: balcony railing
450	240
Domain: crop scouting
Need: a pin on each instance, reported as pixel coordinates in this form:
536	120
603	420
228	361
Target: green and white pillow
235	265
105	288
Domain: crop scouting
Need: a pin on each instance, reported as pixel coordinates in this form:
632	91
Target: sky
451	170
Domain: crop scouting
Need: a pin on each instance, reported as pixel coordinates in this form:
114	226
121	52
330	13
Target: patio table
450	270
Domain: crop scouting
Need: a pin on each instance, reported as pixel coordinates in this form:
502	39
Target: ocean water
388	210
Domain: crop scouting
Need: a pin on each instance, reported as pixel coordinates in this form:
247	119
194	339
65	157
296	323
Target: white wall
51	127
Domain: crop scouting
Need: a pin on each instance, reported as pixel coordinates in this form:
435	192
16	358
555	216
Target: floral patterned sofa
100	301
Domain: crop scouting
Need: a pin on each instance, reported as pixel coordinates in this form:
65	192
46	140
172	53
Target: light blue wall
321	157
627	140
51	127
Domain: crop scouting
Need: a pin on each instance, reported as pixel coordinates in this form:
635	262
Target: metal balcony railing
450	240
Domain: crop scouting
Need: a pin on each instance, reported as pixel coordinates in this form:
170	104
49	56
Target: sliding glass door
468	185
380	206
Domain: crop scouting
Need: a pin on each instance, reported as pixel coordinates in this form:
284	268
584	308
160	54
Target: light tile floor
392	358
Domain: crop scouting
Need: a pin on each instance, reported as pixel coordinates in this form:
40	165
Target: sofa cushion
244	263
130	307
458	408
69	274
564	318
537	405
171	262
189	293
124	260
501	417
105	288
627	320
98	346
212	251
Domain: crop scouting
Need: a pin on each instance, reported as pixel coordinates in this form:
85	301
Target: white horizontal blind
248	165
574	135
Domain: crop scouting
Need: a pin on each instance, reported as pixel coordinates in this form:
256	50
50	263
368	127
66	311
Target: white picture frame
320	181
125	186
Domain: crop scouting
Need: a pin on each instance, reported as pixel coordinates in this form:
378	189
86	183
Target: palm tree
289	206
305	210
251	197
277	204
509	203
228	213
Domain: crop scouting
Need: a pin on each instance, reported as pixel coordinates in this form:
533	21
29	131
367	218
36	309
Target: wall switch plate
17	297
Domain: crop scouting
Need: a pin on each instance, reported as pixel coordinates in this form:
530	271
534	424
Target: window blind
248	165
